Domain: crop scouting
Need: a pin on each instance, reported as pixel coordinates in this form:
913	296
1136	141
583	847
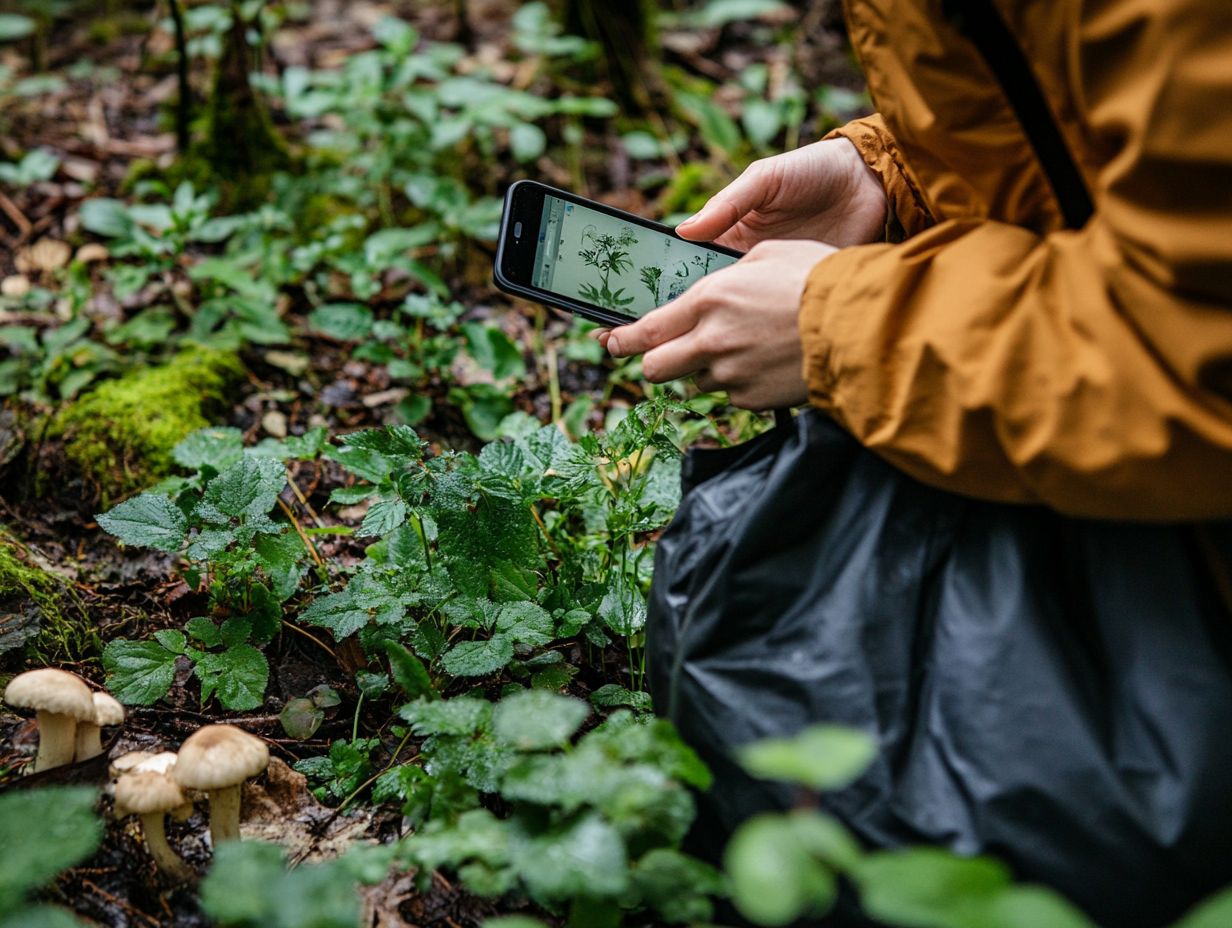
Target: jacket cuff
907	212
825	326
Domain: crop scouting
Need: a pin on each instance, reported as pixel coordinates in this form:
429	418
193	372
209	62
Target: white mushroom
149	762
60	700
218	759
107	711
151	796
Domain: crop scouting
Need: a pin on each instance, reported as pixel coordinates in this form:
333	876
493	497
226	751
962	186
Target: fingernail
689	220
613	344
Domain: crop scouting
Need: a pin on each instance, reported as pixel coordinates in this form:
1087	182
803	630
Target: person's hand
735	329
824	192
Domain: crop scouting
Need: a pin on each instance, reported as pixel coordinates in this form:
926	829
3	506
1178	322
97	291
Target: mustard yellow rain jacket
996	352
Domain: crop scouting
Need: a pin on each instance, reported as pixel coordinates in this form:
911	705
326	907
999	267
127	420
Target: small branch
183	105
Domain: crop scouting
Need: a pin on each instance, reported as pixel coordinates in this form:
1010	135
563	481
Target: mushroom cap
107	711
218	756
143	792
50	690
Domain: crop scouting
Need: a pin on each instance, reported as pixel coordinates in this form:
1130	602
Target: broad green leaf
1037	907
106	217
677	885
247	488
147	520
762	121
15	26
774	880
527	141
493	350
300	718
612	695
462	715
822	757
217	446
586	858
536	719
66	831
929	887
347	322
238	675
383	517
172	639
40	916
525	623
1215	912
139	673
477	658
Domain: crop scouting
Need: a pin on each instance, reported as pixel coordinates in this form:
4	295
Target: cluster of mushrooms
215	760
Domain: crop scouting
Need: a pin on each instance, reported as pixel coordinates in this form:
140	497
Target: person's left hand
736	329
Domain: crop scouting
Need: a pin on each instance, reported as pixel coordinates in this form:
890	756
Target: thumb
727	207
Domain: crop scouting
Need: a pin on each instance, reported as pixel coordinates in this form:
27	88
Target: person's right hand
823	191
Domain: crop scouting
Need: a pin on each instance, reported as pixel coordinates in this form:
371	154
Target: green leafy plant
219	521
593	828
251	886
608	254
68	832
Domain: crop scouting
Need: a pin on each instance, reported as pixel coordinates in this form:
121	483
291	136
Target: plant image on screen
608	254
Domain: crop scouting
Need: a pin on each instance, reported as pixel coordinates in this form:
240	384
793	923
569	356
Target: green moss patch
120	436
57	626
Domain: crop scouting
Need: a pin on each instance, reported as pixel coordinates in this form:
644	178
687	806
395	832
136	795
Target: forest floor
105	110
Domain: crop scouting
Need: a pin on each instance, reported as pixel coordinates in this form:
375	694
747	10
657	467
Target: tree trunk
627	35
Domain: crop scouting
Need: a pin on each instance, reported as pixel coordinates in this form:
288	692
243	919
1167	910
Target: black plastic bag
1052	691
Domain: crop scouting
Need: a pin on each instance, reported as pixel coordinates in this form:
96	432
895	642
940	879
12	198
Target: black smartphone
600	262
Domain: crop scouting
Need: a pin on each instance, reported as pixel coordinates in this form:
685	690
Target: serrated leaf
148	521
249	487
171	639
525	623
106	217
139	673
534	720
383	517
585	858
347	322
462	715
477	658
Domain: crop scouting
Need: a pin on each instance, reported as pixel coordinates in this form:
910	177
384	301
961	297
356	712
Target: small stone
275	423
91	252
16	286
45	255
289	361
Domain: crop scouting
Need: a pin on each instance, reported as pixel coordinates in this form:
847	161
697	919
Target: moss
119	437
61	630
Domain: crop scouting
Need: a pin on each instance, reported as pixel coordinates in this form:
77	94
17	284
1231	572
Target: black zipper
980	22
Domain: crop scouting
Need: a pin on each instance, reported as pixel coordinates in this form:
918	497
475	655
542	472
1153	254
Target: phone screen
591	256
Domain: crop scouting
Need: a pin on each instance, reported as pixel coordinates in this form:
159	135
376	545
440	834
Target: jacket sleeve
908	212
1089	370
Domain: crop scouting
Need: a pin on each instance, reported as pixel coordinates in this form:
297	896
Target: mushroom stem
224	814
89	741
168	861
56	740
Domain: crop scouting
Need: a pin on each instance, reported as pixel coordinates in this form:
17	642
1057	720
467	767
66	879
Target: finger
706	383
656	327
673	360
728	206
601	336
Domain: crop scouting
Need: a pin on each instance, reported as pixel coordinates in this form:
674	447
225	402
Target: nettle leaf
217	447
283	557
462	715
537	719
525	623
139	673
68	831
383	517
1215	912
613	695
586	858
623	607
147	520
477	658
203	630
822	757
249	487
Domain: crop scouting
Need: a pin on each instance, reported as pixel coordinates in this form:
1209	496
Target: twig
311	637
303	501
299	530
19	218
